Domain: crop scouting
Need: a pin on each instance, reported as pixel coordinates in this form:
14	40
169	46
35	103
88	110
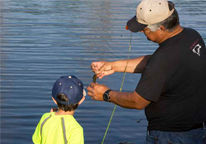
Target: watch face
105	97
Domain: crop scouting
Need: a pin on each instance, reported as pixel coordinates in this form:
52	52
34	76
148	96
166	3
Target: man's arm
136	65
130	100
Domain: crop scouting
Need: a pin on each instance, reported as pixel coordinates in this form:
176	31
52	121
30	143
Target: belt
201	125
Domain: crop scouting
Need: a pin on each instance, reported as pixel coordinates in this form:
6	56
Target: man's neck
175	32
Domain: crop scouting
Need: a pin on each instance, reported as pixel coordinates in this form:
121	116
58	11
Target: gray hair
170	23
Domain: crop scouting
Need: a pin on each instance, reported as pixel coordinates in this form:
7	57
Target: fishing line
120	89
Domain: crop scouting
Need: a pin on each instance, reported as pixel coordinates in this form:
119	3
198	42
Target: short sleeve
36	138
77	136
151	84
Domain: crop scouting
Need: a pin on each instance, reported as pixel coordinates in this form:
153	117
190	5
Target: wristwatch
106	96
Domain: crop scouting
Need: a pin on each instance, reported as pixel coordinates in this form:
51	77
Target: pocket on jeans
150	139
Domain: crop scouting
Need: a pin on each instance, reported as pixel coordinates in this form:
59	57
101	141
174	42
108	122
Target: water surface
42	40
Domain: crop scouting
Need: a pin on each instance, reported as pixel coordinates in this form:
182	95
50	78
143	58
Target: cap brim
134	26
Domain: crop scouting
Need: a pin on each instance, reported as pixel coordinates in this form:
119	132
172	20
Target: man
172	88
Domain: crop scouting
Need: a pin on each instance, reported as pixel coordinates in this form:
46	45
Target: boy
60	127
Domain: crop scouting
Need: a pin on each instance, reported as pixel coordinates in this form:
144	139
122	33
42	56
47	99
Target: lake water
42	40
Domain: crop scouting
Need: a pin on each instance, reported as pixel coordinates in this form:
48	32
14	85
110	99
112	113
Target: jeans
195	136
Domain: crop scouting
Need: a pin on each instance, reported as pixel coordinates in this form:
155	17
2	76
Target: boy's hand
53	109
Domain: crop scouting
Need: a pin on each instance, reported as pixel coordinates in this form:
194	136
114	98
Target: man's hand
102	68
96	91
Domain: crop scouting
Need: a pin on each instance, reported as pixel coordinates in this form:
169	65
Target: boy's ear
81	101
54	100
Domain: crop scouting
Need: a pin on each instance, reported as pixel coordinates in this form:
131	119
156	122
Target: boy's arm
36	138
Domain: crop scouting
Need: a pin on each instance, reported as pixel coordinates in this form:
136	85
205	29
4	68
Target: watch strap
106	93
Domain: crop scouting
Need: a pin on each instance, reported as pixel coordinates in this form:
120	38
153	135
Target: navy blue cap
134	26
70	86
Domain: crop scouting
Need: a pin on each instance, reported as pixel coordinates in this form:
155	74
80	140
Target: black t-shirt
174	80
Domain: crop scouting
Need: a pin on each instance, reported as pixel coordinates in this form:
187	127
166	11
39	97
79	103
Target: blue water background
42	40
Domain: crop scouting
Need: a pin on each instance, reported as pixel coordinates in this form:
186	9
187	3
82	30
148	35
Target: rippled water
42	40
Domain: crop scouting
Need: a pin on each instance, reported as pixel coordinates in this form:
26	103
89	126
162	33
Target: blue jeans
195	136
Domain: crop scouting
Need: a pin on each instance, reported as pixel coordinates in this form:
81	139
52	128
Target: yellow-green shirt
58	129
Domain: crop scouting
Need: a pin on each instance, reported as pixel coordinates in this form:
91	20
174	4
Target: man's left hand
96	91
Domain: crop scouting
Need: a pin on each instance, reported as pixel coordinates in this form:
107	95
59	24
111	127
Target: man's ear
81	101
162	28
54	100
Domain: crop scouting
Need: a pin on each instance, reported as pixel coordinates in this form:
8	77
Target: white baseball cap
149	12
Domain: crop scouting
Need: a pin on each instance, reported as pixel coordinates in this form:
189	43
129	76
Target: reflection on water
44	39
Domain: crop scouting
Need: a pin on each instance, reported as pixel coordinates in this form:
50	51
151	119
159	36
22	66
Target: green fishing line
119	90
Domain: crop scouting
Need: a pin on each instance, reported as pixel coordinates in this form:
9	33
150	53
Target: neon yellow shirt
58	129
